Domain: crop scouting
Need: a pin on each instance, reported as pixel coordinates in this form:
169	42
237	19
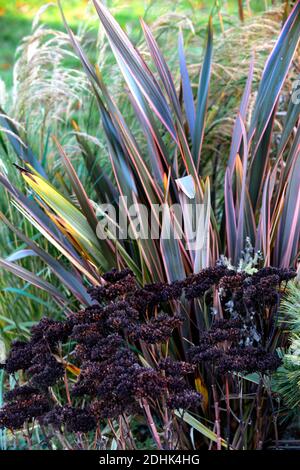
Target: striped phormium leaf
21	149
189	104
69	279
131	62
275	72
271	211
202	97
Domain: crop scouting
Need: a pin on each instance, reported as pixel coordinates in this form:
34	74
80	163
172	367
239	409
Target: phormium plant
261	187
174	329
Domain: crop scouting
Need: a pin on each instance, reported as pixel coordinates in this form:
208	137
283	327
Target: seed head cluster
103	339
224	347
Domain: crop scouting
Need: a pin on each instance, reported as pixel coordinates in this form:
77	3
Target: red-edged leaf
230	219
163	70
289	230
237	130
132	63
263	236
274	74
240	239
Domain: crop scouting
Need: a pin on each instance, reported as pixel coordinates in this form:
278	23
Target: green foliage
287	377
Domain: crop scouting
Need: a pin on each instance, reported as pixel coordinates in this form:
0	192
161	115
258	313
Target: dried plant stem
167	430
242	424
66	445
274	418
151	424
179	434
217	417
227	395
129	433
27	438
114	433
259	398
240	435
241	10
67	388
97	435
122	436
46	437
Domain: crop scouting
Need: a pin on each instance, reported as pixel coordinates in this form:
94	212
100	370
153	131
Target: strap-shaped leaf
202	252
245	218
273	77
188	99
48	229
198	426
32	279
118	131
230	218
162	69
78	188
66	277
292	116
260	163
202	96
237	129
105	190
82	197
124	50
72	219
289	230
170	248
158	155
20	254
22	150
263	237
292	156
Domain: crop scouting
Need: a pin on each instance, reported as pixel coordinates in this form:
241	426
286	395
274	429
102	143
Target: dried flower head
112	380
24	405
157	330
20	357
74	419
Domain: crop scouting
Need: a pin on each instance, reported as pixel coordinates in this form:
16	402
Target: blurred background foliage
16	18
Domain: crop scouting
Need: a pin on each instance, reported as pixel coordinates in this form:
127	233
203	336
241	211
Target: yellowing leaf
73	369
165	181
75	222
196	424
201	388
68	366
